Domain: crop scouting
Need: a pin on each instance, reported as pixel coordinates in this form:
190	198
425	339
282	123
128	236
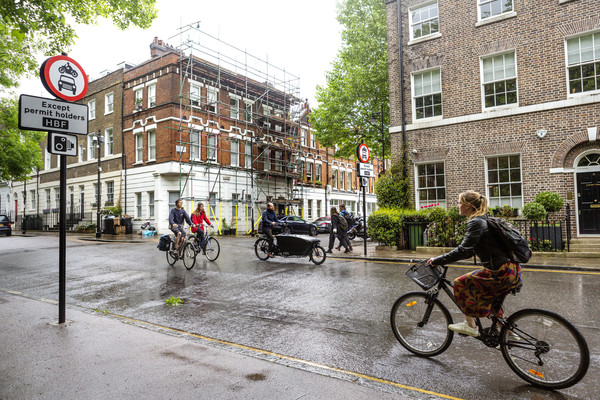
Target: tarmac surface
41	359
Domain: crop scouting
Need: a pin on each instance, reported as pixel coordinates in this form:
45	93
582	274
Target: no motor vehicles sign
41	114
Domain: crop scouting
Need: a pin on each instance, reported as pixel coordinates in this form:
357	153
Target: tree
20	152
28	26
357	85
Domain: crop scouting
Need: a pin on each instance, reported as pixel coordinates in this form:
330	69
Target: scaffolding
263	109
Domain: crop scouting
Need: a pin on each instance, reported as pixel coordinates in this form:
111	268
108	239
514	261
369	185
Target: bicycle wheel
212	249
421	327
544	349
189	256
261	248
170	259
318	255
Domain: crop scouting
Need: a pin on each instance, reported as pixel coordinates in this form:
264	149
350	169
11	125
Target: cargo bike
287	245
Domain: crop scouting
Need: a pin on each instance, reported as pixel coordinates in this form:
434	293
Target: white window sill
564	1
108	113
500	108
496	18
425	38
138	163
429	119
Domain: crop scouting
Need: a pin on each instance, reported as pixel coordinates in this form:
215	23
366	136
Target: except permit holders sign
41	114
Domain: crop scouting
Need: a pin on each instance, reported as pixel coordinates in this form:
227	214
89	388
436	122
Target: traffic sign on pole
365	170
62	144
42	114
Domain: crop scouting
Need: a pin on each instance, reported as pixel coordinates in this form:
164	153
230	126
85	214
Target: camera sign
62	144
42	114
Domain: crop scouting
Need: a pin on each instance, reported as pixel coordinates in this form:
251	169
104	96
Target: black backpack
510	239
343	222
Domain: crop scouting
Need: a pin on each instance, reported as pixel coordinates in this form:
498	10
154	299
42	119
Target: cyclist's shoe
271	255
173	253
464	328
513	337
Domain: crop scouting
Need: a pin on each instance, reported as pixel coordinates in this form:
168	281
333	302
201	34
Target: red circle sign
63	77
363	153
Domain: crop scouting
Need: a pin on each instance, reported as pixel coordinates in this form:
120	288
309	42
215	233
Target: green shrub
385	226
551	201
86	226
112	210
534	211
447	228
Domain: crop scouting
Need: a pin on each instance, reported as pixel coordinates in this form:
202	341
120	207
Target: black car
292	224
5	225
323	224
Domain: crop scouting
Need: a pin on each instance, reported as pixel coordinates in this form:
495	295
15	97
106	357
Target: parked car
292	224
323	224
5	225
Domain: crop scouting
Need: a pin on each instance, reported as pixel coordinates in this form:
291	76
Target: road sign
62	144
363	153
365	170
364	182
63	77
41	114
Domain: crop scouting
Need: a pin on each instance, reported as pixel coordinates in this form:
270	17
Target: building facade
492	105
181	125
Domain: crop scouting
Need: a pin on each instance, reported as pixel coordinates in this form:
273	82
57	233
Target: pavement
95	355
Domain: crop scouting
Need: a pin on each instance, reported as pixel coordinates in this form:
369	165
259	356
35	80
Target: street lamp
98	231
373	121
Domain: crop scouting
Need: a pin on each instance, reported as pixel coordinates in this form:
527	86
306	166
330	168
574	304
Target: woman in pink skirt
476	291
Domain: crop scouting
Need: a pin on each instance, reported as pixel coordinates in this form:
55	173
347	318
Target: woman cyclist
198	217
476	291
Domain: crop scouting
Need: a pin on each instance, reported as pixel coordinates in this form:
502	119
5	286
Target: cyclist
269	219
177	218
198	217
476	291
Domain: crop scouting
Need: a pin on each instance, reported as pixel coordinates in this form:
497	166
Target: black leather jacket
480	241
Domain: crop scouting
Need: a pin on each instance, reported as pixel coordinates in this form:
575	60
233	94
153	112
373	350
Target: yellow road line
294	359
527	269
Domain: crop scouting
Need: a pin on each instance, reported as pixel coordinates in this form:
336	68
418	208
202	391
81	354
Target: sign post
363	153
64	78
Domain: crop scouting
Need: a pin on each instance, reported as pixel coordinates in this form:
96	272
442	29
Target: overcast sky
301	37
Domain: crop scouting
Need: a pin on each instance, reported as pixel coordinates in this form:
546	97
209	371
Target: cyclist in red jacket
198	217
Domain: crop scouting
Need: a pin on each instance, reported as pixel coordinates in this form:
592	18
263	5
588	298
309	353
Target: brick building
493	105
206	129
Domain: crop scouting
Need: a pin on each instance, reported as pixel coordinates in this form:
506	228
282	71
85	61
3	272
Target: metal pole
98	231
24	207
252	183
382	140
62	241
364	190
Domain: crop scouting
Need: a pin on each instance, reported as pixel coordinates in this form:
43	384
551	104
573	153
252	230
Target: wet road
336	314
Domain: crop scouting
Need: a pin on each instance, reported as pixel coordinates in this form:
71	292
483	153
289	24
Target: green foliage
446	229
551	201
101	311
393	188
112	210
86	226
174	301
545	245
357	85
20	154
534	211
385	225
41	24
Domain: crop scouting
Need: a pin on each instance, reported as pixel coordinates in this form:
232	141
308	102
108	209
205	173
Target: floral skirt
476	291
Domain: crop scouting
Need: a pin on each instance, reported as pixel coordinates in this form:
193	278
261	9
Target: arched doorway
587	178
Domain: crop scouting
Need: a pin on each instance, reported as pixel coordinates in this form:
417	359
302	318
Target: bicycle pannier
511	240
164	243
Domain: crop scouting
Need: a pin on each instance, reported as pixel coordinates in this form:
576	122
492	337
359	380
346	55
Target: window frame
109	103
195	145
138	99
494	81
235	153
151	95
139	148
110	192
419	188
212	99
491	17
151	204
595	63
92	109
212	147
234	106
488	184
91	148
109	144
413	9
431	93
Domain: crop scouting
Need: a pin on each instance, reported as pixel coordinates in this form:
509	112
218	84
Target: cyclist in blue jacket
177	218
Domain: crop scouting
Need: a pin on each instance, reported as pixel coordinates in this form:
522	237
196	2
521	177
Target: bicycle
209	246
290	246
188	257
540	346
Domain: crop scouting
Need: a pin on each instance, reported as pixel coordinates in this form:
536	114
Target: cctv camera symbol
62	144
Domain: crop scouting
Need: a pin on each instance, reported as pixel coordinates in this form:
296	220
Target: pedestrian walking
337	231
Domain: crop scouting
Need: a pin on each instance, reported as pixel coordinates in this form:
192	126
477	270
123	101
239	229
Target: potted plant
233	228
138	104
224	227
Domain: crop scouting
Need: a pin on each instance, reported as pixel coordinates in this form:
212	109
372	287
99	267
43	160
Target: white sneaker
513	336
464	328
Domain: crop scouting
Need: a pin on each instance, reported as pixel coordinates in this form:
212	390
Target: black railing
49	219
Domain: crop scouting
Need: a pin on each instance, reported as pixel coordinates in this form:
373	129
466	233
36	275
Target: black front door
588	199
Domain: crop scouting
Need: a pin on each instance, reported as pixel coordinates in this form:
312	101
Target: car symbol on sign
68	83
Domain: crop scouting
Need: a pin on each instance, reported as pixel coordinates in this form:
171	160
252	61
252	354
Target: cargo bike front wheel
318	255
